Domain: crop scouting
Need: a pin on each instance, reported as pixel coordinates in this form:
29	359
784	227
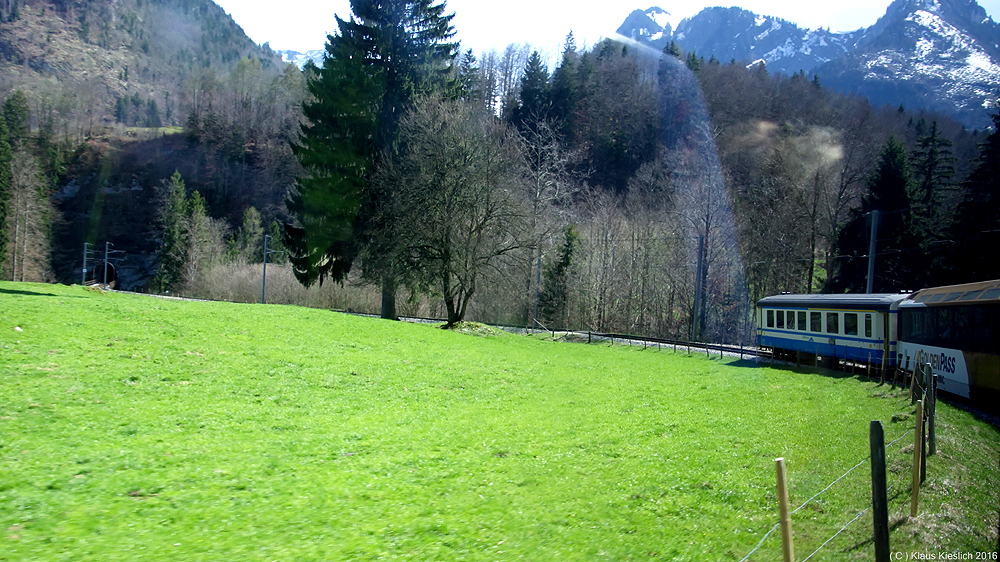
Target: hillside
212	431
80	58
110	84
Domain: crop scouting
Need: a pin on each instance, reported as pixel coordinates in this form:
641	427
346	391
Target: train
956	329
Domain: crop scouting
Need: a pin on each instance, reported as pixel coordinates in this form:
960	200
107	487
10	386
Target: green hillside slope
134	427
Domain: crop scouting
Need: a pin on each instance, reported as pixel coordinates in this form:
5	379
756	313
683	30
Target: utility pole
871	252
699	273
86	251
538	281
263	281
106	245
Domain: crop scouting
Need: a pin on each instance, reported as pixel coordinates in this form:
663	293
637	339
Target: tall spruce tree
933	170
18	116
889	187
565	94
6	159
536	103
386	55
976	228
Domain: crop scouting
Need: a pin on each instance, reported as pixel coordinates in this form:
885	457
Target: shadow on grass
26	293
826	372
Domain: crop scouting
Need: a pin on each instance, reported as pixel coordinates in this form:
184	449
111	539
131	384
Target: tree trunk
389	298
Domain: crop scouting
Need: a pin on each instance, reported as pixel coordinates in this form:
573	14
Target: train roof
857	301
970	293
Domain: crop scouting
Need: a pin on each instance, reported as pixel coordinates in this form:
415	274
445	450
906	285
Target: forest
628	191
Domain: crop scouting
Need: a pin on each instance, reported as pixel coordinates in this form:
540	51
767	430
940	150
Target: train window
832	323
781	319
987	328
770	318
816	321
963	325
850	324
945	333
868	325
790	322
802	321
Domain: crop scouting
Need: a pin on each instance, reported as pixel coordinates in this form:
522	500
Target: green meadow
139	428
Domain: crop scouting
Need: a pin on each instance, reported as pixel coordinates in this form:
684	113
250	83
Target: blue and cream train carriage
955	329
860	328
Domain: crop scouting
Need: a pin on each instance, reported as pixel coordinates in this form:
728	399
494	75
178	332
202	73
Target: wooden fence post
917	450
880	502
923	429
786	519
931	437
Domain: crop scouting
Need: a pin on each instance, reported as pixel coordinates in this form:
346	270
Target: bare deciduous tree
457	200
30	216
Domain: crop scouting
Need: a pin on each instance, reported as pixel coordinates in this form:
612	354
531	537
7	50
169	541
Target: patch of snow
660	16
924	47
783	51
761	20
982	61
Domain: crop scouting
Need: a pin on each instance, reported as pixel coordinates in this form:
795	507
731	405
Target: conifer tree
535	103
6	159
18	116
977	220
554	297
565	94
933	168
380	60
173	242
889	186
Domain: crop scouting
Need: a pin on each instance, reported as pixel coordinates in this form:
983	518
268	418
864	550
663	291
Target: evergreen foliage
565	90
379	61
6	159
889	187
977	219
18	116
171	212
535	103
554	297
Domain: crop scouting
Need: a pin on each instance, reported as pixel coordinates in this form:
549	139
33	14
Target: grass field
137	428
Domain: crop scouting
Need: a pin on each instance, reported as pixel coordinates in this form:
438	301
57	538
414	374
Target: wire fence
860	514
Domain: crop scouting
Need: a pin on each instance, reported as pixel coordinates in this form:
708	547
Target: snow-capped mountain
735	33
652	26
300	59
936	54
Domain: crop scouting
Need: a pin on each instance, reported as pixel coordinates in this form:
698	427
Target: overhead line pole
871	252
263	281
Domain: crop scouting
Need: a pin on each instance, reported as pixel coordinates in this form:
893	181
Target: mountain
650	26
301	59
940	55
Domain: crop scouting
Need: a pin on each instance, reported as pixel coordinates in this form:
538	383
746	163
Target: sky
481	25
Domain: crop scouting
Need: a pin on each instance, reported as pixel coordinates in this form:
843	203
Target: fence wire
842	529
837	534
